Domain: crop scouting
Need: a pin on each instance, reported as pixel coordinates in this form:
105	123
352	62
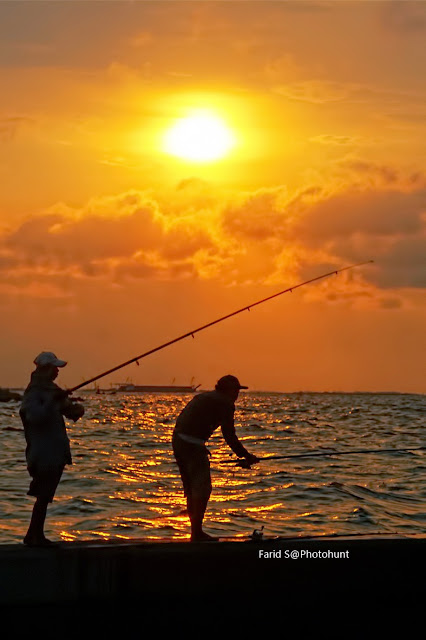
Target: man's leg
201	488
194	469
200	494
43	487
35	534
198	508
189	506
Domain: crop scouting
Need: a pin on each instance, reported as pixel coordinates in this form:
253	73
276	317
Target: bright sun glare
200	137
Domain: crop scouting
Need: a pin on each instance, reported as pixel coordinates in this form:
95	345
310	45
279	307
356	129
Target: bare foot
203	537
38	542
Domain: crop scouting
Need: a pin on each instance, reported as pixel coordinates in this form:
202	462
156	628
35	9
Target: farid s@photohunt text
295	554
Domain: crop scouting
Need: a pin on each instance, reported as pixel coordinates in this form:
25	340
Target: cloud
405	17
258	216
405	261
363	211
32	290
325	138
267	236
375	174
314	91
387	225
116	236
352	289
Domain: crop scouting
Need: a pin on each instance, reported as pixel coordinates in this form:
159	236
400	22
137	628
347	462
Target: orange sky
110	246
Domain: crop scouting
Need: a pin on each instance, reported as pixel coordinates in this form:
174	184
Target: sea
124	483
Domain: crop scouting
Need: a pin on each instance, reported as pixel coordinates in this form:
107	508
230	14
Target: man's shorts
194	467
44	482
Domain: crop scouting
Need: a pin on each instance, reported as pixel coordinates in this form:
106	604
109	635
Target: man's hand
61	394
75	411
252	459
247	461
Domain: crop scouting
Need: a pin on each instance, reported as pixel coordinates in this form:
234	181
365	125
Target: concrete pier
81	573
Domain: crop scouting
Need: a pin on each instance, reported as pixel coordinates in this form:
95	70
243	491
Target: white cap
47	357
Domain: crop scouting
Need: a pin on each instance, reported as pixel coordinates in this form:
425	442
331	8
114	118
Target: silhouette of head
230	386
48	364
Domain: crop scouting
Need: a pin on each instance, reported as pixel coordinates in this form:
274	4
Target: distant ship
137	388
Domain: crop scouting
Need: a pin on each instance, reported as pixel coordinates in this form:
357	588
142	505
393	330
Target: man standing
48	449
194	426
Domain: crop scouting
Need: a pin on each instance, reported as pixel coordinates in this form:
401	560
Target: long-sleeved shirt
42	410
202	416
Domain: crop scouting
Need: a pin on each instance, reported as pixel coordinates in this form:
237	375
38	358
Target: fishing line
241	462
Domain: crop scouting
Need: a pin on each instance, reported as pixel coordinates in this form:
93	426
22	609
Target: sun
199	137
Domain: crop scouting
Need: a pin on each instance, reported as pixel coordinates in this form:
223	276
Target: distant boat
137	388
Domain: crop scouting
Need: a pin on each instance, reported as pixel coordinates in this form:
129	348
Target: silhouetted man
194	426
48	449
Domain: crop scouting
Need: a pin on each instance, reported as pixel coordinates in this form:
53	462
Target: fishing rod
241	462
210	324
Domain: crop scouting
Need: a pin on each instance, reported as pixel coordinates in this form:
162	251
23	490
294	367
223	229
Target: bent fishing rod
210	324
241	462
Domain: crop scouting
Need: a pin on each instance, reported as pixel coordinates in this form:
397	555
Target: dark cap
229	382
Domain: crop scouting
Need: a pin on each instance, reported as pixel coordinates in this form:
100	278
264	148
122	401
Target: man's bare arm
231	438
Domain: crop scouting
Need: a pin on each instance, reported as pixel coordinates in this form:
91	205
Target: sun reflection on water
125	484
